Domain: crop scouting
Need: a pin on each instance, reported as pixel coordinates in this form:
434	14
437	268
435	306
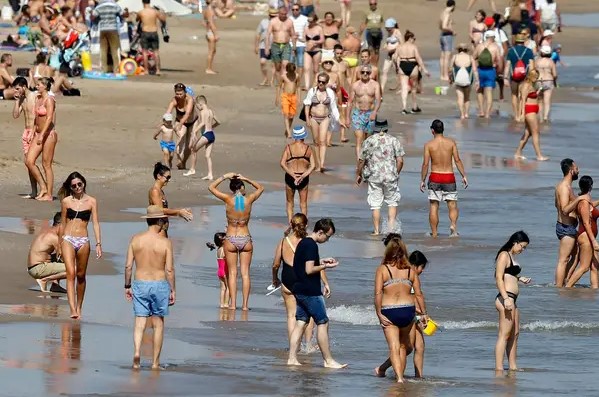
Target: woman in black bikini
477	28
284	254
156	196
330	28
185	121
77	208
314	39
238	241
298	163
410	64
507	276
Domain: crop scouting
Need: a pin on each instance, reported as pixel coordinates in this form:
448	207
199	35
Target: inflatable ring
128	66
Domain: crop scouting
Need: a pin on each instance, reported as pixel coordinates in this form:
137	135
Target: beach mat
26	48
103	76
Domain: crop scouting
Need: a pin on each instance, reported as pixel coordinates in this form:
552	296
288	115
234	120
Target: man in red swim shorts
441	152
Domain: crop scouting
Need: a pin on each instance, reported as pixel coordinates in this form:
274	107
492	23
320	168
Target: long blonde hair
396	254
532	76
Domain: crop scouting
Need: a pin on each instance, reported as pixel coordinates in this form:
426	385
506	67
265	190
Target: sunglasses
168	177
328	62
77	185
321	82
365	72
295	9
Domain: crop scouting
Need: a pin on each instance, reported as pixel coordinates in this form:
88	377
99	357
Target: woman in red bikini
77	208
44	139
587	232
529	111
238	241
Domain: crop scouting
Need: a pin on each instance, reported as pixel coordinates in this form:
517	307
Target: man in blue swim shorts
488	58
153	289
367	96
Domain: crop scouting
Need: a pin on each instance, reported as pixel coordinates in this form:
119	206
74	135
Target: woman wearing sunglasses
319	106
77	208
156	196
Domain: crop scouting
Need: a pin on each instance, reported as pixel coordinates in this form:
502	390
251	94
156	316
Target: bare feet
375	233
334	365
45	197
293	362
210	71
224	306
30	195
519	157
74	315
542	158
157	367
180	166
190	172
264	83
136	361
344	140
400	380
42	285
453	232
208	178
378	373
245	308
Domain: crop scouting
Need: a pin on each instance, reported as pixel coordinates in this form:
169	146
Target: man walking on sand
277	42
307	266
107	15
441	152
42	263
567	221
446	40
380	163
150	18
24	103
153	289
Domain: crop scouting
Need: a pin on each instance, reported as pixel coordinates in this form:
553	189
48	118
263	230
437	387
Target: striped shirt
106	15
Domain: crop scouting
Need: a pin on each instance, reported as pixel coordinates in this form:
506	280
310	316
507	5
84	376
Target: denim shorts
150	298
311	306
297	56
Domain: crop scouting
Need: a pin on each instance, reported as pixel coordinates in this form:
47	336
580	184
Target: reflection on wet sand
35	310
484	161
231	315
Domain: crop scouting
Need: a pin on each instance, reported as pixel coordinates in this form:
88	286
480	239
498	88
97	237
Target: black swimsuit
180	115
313	38
289	179
83	215
407	65
287	274
512	270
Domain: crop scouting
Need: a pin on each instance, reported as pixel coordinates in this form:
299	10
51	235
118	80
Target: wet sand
106	135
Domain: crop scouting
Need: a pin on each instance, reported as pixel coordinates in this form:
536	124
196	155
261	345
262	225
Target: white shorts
383	191
441	195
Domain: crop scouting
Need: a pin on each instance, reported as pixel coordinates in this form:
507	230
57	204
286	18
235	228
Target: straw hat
520	38
327	57
154	212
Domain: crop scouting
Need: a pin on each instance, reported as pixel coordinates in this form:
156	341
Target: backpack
519	71
462	78
485	58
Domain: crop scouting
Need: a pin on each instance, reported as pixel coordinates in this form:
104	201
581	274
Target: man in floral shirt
380	162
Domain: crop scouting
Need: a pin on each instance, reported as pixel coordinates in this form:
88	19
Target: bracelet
127	286
100	244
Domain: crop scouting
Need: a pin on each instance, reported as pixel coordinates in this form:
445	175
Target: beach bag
462	78
519	71
485	59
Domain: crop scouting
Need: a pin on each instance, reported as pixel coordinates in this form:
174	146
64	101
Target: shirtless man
42	265
281	32
447	33
203	136
366	95
211	35
25	102
366	59
153	289
488	59
351	47
150	18
441	153
6	79
567	221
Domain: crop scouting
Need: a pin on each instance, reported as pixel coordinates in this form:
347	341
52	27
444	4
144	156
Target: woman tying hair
186	119
238	241
529	110
41	69
284	254
409	63
156	196
395	304
587	233
507	275
44	139
330	30
77	208
464	74
320	105
298	163
312	54
547	77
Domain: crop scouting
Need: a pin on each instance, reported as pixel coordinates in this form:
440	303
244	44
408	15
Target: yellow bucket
86	61
431	328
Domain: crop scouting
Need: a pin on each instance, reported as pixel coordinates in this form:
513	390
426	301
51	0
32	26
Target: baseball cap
489	21
167	117
390	23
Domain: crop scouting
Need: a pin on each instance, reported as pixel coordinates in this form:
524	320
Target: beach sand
107	136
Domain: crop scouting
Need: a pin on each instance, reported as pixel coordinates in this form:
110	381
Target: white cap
490	33
390	23
548	32
545	49
167	117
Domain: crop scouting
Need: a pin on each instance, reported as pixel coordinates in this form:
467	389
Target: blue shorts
209	135
297	56
487	77
170	146
263	54
562	230
150	298
361	120
446	42
311	306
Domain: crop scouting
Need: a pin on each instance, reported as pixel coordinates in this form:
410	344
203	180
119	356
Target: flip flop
56	288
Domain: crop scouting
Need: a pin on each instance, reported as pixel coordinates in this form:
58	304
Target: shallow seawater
590	20
213	352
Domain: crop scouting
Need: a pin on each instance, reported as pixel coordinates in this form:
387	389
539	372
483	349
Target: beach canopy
168	6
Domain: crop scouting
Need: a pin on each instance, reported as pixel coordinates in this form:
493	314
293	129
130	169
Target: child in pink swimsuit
222	271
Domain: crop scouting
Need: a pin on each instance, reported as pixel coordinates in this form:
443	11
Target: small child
287	95
203	136
166	140
222	272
